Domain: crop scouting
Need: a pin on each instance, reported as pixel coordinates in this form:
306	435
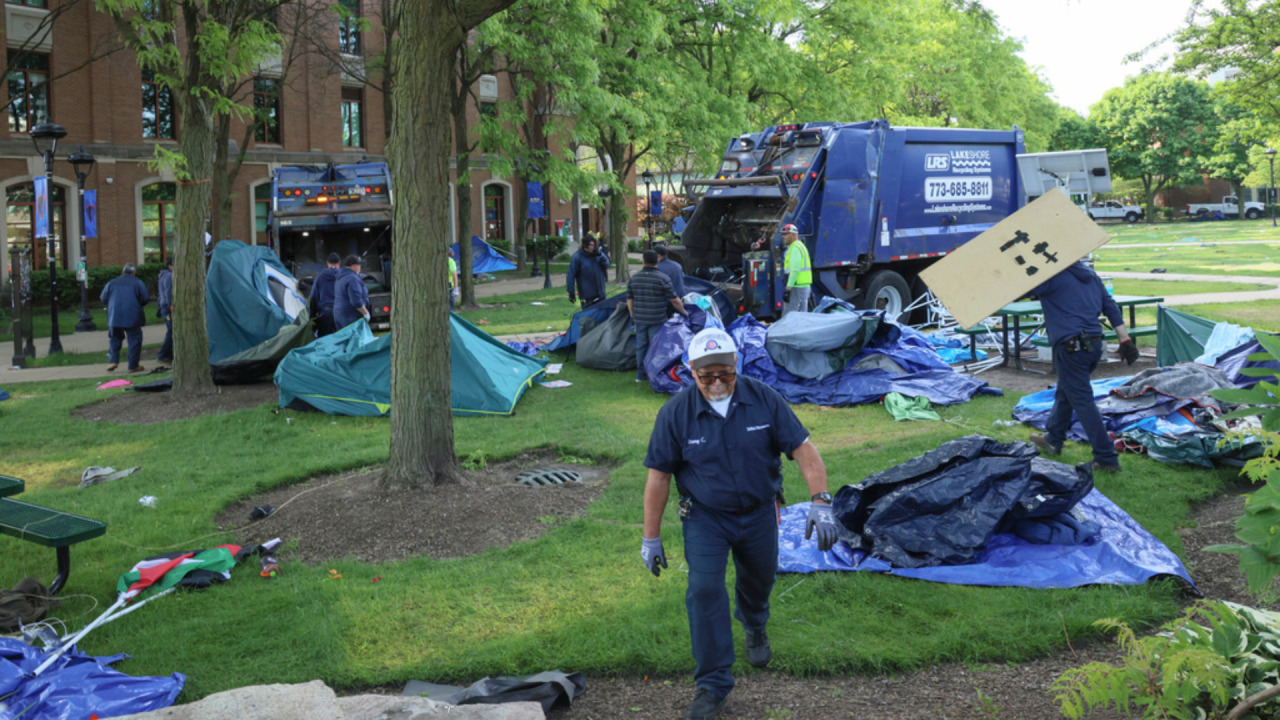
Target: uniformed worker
453	280
799	270
722	439
1072	300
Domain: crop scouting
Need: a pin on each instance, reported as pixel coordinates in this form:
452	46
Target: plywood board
1009	260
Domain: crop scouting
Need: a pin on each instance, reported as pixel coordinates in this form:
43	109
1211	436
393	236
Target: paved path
1175	242
1218	297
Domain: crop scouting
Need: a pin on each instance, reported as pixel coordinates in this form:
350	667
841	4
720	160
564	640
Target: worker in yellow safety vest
453	280
799	271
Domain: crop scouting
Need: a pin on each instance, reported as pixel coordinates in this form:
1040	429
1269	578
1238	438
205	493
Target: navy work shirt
588	274
731	464
125	296
322	290
1072	301
675	273
350	294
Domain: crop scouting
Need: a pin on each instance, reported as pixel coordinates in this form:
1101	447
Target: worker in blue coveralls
1072	300
322	295
350	294
588	273
722	439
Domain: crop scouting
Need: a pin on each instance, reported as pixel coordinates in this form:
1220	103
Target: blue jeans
1075	395
166	348
708	538
117	334
644	335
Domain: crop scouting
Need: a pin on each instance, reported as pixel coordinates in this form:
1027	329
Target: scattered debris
261	512
148	501
556	384
93	475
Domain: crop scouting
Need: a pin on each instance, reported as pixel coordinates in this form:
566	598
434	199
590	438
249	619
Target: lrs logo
937	162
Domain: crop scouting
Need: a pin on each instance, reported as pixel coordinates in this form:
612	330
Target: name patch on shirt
697	441
753	428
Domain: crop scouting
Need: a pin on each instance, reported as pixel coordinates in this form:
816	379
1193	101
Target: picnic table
44	526
1029	308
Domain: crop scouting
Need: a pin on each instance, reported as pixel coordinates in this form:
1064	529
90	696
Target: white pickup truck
1229	206
1112	210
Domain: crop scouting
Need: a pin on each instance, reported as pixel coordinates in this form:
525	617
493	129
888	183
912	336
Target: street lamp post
647	175
1271	158
83	164
45	137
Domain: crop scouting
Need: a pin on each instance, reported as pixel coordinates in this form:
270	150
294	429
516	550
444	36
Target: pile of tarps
254	312
484	259
598	313
76	686
836	355
349	373
980	512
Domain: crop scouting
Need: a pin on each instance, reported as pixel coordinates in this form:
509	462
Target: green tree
422	64
1156	128
1073	132
195	47
1239	37
1238	132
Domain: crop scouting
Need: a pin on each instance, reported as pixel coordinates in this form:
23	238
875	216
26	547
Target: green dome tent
253	310
349	373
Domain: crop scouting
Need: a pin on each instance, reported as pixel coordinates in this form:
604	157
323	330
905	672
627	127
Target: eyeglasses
725	377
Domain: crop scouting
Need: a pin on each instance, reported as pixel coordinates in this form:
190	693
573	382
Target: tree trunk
462	151
221	180
521	226
191	373
1150	200
422	448
618	214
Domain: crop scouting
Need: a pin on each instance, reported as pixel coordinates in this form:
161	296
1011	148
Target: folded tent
253	310
349	373
484	259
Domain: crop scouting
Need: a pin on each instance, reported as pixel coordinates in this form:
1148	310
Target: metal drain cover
546	476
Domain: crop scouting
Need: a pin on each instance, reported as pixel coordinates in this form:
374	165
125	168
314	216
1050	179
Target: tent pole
69	642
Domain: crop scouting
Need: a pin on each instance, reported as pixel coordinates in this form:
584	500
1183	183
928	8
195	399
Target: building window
261	209
29	3
21	217
28	89
352	120
349	27
495	212
266	108
158	221
157	108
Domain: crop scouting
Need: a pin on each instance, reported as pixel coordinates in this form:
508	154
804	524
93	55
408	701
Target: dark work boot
1101	467
1046	447
706	705
758	650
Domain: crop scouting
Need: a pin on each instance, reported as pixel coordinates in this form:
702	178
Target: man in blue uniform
164	291
1072	300
671	269
322	294
350	295
124	297
588	273
722	439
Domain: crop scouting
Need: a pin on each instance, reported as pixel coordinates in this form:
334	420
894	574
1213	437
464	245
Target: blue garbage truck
345	209
875	204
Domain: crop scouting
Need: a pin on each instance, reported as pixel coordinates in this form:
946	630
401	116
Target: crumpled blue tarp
601	312
76	686
666	363
953	350
1124	553
1034	410
527	347
1233	361
4	394
1225	336
484	259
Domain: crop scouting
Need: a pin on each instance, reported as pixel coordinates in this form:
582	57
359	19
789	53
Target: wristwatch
823	496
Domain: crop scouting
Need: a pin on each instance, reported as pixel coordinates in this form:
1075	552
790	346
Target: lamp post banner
655	202
537	210
91	213
42	207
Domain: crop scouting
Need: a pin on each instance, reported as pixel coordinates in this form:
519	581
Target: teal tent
253	311
1180	337
349	373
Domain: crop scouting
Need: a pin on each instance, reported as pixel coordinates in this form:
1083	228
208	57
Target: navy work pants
1074	394
166	348
708	538
644	335
117	334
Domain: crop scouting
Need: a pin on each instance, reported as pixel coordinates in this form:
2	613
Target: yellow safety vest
453	270
799	269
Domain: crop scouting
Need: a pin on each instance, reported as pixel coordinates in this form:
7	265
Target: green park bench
43	526
1106	336
978	330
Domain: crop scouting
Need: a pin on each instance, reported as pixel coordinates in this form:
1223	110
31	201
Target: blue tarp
4	394
1034	409
601	312
1123	554
484	259
76	686
1233	361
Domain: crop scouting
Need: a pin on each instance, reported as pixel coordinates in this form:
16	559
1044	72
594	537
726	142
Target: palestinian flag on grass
198	568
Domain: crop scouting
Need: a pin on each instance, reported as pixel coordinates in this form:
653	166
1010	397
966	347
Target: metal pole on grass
45	137
1271	158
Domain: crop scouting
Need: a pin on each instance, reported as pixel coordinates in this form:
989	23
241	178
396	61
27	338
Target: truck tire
1131	217
887	288
1253	213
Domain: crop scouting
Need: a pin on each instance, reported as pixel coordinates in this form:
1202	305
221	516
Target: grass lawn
1165	288
67	320
1225	231
513	313
1259	314
578	598
1239	259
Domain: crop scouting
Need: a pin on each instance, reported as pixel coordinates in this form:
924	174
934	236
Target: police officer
322	295
1072	300
799	269
722	438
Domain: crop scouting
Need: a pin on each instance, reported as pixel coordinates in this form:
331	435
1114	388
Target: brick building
322	111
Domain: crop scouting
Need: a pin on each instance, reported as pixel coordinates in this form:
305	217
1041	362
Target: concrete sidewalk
1199	298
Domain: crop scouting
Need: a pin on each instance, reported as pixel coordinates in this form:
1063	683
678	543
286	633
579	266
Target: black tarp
942	507
609	345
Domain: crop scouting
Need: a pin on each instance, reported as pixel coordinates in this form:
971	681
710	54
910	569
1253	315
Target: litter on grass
556	384
93	475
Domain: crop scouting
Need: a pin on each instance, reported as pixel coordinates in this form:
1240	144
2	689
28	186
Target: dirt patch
146	408
332	516
1014	380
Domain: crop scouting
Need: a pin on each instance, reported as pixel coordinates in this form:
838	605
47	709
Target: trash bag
609	345
942	507
24	604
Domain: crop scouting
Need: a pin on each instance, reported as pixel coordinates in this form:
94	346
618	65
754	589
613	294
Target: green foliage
69	286
1201	665
1073	132
1239	35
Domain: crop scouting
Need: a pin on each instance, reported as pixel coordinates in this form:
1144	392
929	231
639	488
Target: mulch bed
128	407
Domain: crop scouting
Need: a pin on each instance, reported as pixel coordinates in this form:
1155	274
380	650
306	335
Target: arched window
158	221
495	212
21	217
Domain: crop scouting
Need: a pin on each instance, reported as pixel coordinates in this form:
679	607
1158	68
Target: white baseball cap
789	228
712	346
